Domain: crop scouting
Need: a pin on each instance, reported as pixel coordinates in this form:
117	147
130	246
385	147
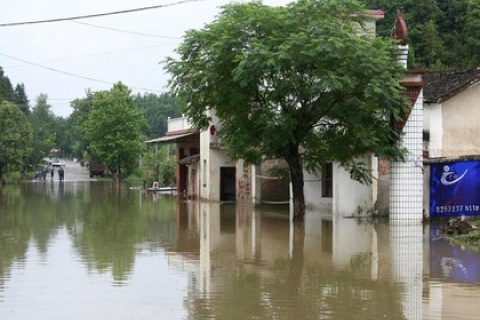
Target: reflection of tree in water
108	229
22	222
105	223
297	289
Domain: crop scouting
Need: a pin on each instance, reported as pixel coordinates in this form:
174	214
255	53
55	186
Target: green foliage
76	124
298	82
157	109
15	138
43	123
442	33
161	166
14	176
137	175
20	98
114	129
469	240
6	89
16	96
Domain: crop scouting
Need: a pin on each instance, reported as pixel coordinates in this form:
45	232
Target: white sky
92	52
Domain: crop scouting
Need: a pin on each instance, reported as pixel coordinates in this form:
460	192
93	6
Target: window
204	172
327	180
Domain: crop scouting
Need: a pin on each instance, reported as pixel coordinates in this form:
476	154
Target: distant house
451	142
187	140
452	113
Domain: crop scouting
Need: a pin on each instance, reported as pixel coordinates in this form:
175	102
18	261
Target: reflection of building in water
452	292
235	241
406	241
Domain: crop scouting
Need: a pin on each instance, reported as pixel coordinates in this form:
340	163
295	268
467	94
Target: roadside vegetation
110	126
442	35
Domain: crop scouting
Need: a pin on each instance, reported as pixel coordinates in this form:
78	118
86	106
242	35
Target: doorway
227	184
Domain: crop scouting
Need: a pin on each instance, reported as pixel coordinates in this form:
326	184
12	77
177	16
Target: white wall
211	159
433	123
460	116
348	195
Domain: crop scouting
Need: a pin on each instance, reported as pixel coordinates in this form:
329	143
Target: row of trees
442	33
27	135
110	126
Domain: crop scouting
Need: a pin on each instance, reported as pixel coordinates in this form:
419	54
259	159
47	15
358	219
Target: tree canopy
16	96
157	109
303	83
115	129
44	129
15	138
443	34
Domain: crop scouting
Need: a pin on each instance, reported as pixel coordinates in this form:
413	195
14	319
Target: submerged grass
470	240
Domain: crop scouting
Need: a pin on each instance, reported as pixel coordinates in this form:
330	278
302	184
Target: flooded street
99	250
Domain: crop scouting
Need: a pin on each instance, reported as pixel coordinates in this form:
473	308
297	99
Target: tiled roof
442	85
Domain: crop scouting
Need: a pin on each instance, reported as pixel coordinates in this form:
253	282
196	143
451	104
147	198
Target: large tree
302	83
43	124
15	138
76	123
114	129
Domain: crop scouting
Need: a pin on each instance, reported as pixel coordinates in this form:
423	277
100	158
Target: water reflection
102	250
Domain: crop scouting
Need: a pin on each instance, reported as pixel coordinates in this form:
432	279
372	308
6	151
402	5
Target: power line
72	74
94	54
125	31
10	24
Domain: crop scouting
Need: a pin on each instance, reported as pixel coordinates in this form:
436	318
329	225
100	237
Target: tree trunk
119	170
296	177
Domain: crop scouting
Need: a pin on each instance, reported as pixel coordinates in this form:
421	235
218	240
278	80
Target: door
227	184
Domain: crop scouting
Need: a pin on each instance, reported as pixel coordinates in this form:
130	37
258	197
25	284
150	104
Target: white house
213	176
451	144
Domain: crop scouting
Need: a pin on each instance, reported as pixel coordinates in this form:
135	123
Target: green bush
138	174
12	177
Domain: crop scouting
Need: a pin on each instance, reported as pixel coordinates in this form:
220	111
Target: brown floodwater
100	250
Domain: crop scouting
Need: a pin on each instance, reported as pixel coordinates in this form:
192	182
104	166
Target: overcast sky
57	58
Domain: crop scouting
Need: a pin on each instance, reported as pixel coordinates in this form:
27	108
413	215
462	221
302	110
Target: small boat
156	188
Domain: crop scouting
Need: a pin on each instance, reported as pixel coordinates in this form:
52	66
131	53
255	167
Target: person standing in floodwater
61	173
52	172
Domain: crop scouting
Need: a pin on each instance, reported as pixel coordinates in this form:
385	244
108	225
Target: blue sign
455	189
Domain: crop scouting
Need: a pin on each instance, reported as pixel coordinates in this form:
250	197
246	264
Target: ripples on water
99	250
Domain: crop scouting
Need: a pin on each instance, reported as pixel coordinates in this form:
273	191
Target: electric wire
72	74
96	15
93	55
125	31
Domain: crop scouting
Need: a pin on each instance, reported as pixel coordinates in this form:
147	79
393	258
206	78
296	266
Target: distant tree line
15	95
116	116
442	34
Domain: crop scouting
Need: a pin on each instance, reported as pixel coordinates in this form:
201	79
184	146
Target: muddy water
98	250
